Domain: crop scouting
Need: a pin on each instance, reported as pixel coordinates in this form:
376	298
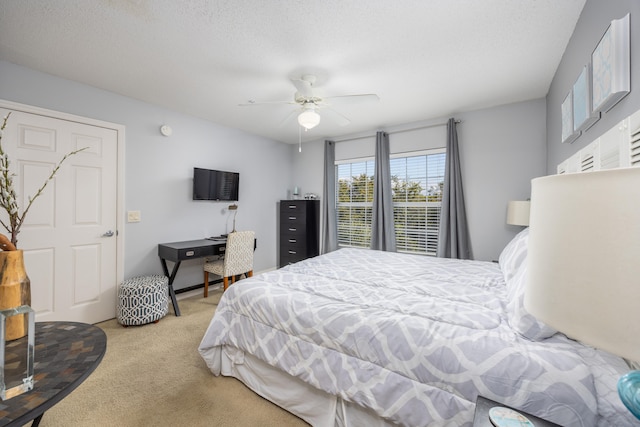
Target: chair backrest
238	256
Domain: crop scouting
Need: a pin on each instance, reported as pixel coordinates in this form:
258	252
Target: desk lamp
234	208
584	263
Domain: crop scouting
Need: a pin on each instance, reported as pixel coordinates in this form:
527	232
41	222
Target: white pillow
514	254
513	262
520	320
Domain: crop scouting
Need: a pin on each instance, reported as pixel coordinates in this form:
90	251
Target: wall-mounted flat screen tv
215	185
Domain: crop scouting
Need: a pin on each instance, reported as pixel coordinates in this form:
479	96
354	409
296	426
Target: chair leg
206	284
226	283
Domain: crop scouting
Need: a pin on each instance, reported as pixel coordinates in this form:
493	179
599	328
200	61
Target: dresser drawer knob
293	229
292	240
292	252
293	207
292	218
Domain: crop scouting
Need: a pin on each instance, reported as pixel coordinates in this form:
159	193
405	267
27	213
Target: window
354	199
417	181
417	184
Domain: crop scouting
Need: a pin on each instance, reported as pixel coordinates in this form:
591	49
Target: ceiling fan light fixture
309	119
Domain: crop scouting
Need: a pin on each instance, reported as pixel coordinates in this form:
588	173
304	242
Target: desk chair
238	259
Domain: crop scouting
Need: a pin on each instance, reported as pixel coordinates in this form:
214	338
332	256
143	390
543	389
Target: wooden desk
180	251
66	353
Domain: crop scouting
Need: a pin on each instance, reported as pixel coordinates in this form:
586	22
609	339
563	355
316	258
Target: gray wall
594	21
501	150
158	170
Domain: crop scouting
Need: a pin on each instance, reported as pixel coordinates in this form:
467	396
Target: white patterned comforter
413	338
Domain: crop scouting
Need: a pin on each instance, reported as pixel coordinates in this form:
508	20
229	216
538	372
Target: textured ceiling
425	59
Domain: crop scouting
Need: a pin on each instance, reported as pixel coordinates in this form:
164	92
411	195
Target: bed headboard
619	147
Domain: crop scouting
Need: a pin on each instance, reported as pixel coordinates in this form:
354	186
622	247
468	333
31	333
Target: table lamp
584	263
518	212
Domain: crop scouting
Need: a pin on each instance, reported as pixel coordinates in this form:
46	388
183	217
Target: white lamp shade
518	212
309	119
583	260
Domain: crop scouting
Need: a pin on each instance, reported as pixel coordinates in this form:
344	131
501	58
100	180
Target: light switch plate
133	216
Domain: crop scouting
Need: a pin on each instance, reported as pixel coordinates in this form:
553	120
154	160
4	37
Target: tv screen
215	185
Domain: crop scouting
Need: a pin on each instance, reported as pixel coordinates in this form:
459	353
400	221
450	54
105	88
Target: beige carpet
152	375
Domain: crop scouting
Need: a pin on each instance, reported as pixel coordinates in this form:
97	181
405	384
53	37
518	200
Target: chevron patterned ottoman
143	299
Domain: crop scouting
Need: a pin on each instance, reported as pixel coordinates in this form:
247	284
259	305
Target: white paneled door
69	235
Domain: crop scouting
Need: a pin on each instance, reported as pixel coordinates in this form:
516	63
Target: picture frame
568	133
611	66
583	117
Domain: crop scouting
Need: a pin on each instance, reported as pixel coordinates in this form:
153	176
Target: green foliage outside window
417	197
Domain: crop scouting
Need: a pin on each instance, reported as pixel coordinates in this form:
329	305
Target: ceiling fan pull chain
299	139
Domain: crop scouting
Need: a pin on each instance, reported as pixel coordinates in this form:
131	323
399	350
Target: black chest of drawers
299	230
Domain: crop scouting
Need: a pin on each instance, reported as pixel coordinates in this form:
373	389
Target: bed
361	337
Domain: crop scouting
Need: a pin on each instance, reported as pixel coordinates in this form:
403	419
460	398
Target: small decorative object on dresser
299	230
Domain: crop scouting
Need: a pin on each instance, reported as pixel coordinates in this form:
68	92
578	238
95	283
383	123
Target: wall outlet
133	216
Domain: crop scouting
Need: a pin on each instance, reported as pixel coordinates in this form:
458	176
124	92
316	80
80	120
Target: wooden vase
15	290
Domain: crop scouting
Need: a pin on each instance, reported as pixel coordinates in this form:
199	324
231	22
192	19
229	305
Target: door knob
108	234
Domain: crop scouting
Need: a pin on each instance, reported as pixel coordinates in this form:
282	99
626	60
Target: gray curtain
453	237
383	235
329	241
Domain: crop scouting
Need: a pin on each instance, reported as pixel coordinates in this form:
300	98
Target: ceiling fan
310	101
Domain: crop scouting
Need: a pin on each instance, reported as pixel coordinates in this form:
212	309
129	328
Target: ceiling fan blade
251	104
304	87
289	117
334	116
352	99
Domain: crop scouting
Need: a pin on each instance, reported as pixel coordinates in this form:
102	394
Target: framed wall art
568	133
583	118
611	66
